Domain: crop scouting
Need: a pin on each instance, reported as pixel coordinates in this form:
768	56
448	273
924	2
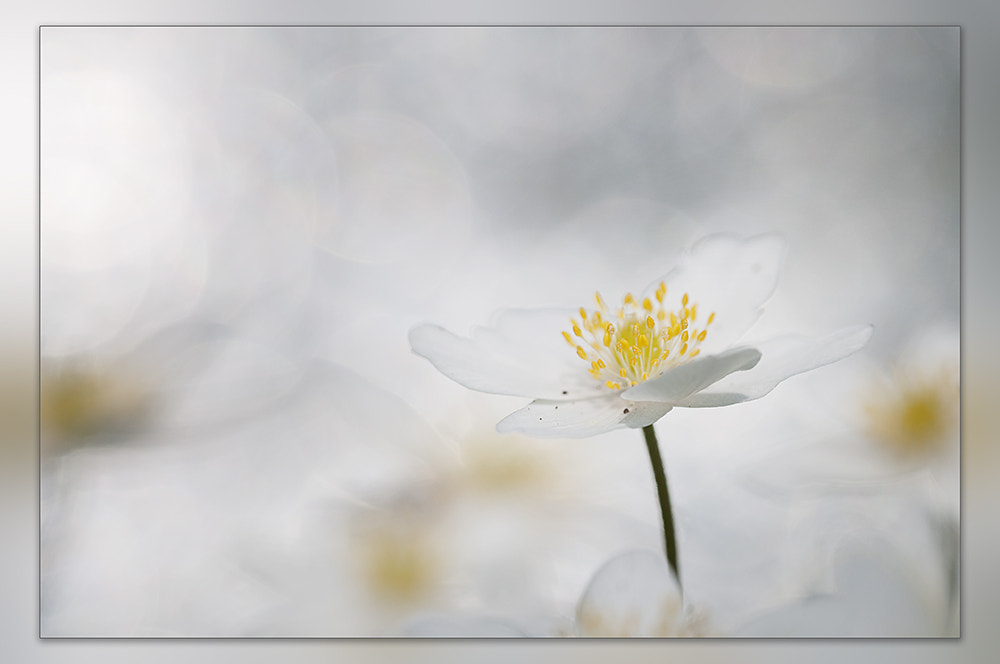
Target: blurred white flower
880	592
644	358
893	469
911	410
635	594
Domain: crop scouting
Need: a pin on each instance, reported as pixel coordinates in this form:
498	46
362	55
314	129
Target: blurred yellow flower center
399	566
639	340
915	413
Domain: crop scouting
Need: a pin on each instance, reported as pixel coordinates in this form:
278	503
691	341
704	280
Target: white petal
686	379
581	418
633	594
729	276
878	596
780	359
523	354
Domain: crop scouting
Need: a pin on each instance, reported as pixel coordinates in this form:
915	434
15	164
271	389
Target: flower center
639	340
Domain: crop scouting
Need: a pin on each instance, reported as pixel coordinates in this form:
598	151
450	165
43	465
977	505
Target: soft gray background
974	178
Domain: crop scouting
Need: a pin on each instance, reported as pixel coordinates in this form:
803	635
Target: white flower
673	346
635	594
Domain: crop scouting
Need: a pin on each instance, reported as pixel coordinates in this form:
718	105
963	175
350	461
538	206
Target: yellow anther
600	301
644	335
633	383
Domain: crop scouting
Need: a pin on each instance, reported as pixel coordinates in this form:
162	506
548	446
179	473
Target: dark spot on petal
625	411
539	419
564	392
557	407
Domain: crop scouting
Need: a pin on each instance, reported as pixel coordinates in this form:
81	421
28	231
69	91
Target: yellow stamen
644	335
600	301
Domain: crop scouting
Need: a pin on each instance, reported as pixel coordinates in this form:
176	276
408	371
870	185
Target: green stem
670	540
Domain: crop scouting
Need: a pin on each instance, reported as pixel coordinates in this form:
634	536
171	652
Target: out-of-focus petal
878	595
581	418
780	359
686	379
633	594
522	354
730	276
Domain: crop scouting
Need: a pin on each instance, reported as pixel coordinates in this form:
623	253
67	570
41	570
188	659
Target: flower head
675	345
